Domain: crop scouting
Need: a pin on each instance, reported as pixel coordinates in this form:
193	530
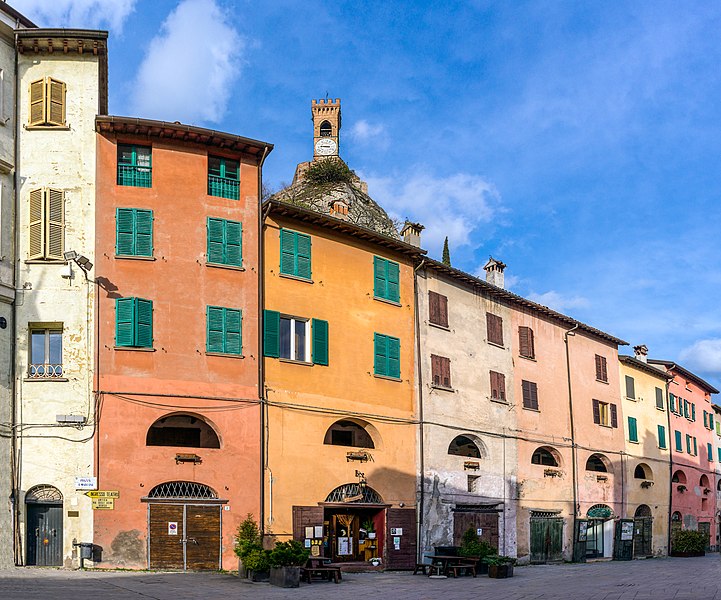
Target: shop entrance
599	535
44	525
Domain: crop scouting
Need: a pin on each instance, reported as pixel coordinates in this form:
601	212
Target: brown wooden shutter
433	307
525	342
603	368
596	412
436	369
614	416
601	371
37	102
55	102
55	224
530	394
438	309
36	233
494	384
446	372
534	396
501	386
442	310
494	327
405	557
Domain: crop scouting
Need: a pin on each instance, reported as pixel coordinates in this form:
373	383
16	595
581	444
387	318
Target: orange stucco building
178	433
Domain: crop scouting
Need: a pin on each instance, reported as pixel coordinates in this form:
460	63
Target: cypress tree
446	260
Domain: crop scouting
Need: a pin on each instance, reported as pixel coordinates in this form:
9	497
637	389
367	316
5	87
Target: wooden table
442	562
321	568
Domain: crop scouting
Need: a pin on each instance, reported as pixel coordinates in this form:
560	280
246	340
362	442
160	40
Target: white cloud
556	301
364	132
452	206
191	65
703	356
92	14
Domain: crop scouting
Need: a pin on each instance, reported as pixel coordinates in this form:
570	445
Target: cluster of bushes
249	548
686	541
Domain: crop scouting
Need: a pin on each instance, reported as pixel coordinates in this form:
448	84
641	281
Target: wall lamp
80	260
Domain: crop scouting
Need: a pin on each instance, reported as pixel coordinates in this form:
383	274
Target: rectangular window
133	323
526	346
224	330
659	399
672	403
47	224
441	371
225	242
601	370
386	282
686	412
605	413
135	166
46	353
294	339
498	386
661	437
709	450
437	309
530	395
632	430
705	419
295	251
223	178
288	337
679	442
133	232
688	444
695	448
494	328
387	356
47	103
693	411
630	388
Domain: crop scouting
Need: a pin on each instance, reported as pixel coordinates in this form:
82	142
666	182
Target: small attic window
325	129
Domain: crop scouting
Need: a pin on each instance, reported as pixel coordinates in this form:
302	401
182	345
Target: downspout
573	436
14	467
261	360
419	366
670	469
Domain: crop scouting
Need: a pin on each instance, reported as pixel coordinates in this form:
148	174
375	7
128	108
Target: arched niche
182	430
546	456
598	463
468	446
352	433
643	471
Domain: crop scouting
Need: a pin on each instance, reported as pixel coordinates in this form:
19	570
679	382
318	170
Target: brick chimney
411	233
339	209
641	352
494	272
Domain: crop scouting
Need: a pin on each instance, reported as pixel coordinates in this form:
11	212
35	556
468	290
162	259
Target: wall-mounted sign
172	528
396	530
86	483
103	494
226	507
479	531
626	530
103	503
396	543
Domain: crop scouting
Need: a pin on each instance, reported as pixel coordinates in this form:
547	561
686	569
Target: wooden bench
422	567
323	573
460	568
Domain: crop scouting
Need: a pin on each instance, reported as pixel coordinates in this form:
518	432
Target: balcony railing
223	187
135	176
45	371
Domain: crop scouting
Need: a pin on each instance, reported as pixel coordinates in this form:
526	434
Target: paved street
658	579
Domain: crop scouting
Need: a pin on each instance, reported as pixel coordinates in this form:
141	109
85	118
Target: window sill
499	400
661	409
531	409
633	442
223	197
397	379
132	257
135	187
45	379
304	363
224	355
295	277
531	358
133	349
443	388
45	261
631	399
437	326
386	301
605	425
602	380
222	266
501	346
47	127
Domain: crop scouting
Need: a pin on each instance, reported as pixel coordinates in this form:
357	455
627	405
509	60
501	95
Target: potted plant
474	548
500	567
370	528
247	539
285	560
686	543
257	561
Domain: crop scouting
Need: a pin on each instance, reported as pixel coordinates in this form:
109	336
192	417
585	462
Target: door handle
193	540
54	532
37	532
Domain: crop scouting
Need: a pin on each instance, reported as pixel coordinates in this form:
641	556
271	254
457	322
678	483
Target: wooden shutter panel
672	402
659	398
37	102
433	307
494	384
614	415
604	370
525	342
143	232
124	232
534	396
599	372
394	357
710	421
393	279
679	444
446	372
501	378
271	333
632	430
55	225
216	235
36	231
630	387
379	277
124	321
234	243
693	411
695	448
303	250
233	331
494	328
320	342
214	329
436	369
661	436
442	310
56	102
596	412
380	354
709	450
287	252
144	323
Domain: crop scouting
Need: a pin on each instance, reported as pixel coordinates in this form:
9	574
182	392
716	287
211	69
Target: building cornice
672	366
642	366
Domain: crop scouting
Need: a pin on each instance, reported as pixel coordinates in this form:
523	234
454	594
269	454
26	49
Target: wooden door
405	556
642	536
487	522
202	539
705	528
167	532
546	540
45	535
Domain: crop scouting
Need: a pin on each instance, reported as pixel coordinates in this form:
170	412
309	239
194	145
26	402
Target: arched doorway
642	532
44	526
599	540
184	526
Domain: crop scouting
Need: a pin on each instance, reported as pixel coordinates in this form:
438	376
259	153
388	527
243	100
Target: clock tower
326	127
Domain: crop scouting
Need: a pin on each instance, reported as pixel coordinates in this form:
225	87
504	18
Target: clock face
325	147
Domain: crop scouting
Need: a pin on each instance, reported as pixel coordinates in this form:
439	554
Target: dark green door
546	540
642	537
44	535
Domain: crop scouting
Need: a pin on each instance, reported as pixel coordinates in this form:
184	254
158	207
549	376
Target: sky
578	142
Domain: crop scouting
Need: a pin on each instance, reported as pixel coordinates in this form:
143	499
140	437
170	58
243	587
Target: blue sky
579	142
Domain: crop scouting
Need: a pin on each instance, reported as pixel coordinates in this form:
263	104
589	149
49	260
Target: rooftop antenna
326	96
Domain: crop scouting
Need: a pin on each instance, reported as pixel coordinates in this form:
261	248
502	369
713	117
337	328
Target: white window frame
291	354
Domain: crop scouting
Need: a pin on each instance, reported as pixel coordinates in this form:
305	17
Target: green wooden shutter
710	420
233	331
379	277
393	278
124	321
719	454
709	450
688	443
143	323
233	243
380	354
271	333
693	412
394	357
215	333
216	236
672	402
143	232
630	387
695	448
661	436
124	232
632	430
705	419
287	252
679	443
303	266
320	342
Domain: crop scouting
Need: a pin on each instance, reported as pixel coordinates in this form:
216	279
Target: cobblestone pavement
657	579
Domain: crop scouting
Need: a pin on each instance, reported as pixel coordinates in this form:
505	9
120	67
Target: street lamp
80	260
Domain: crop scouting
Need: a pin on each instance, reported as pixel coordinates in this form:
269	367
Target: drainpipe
573	435
14	466
670	469
421	460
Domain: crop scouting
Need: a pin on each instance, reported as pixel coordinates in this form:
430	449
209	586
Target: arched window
183	489
718	485
44	494
348	433
703	482
643	471
183	431
354	492
596	463
464	446
325	129
676	517
642	511
678	477
544	456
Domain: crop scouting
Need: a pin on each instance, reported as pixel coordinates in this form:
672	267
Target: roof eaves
669	364
639	364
